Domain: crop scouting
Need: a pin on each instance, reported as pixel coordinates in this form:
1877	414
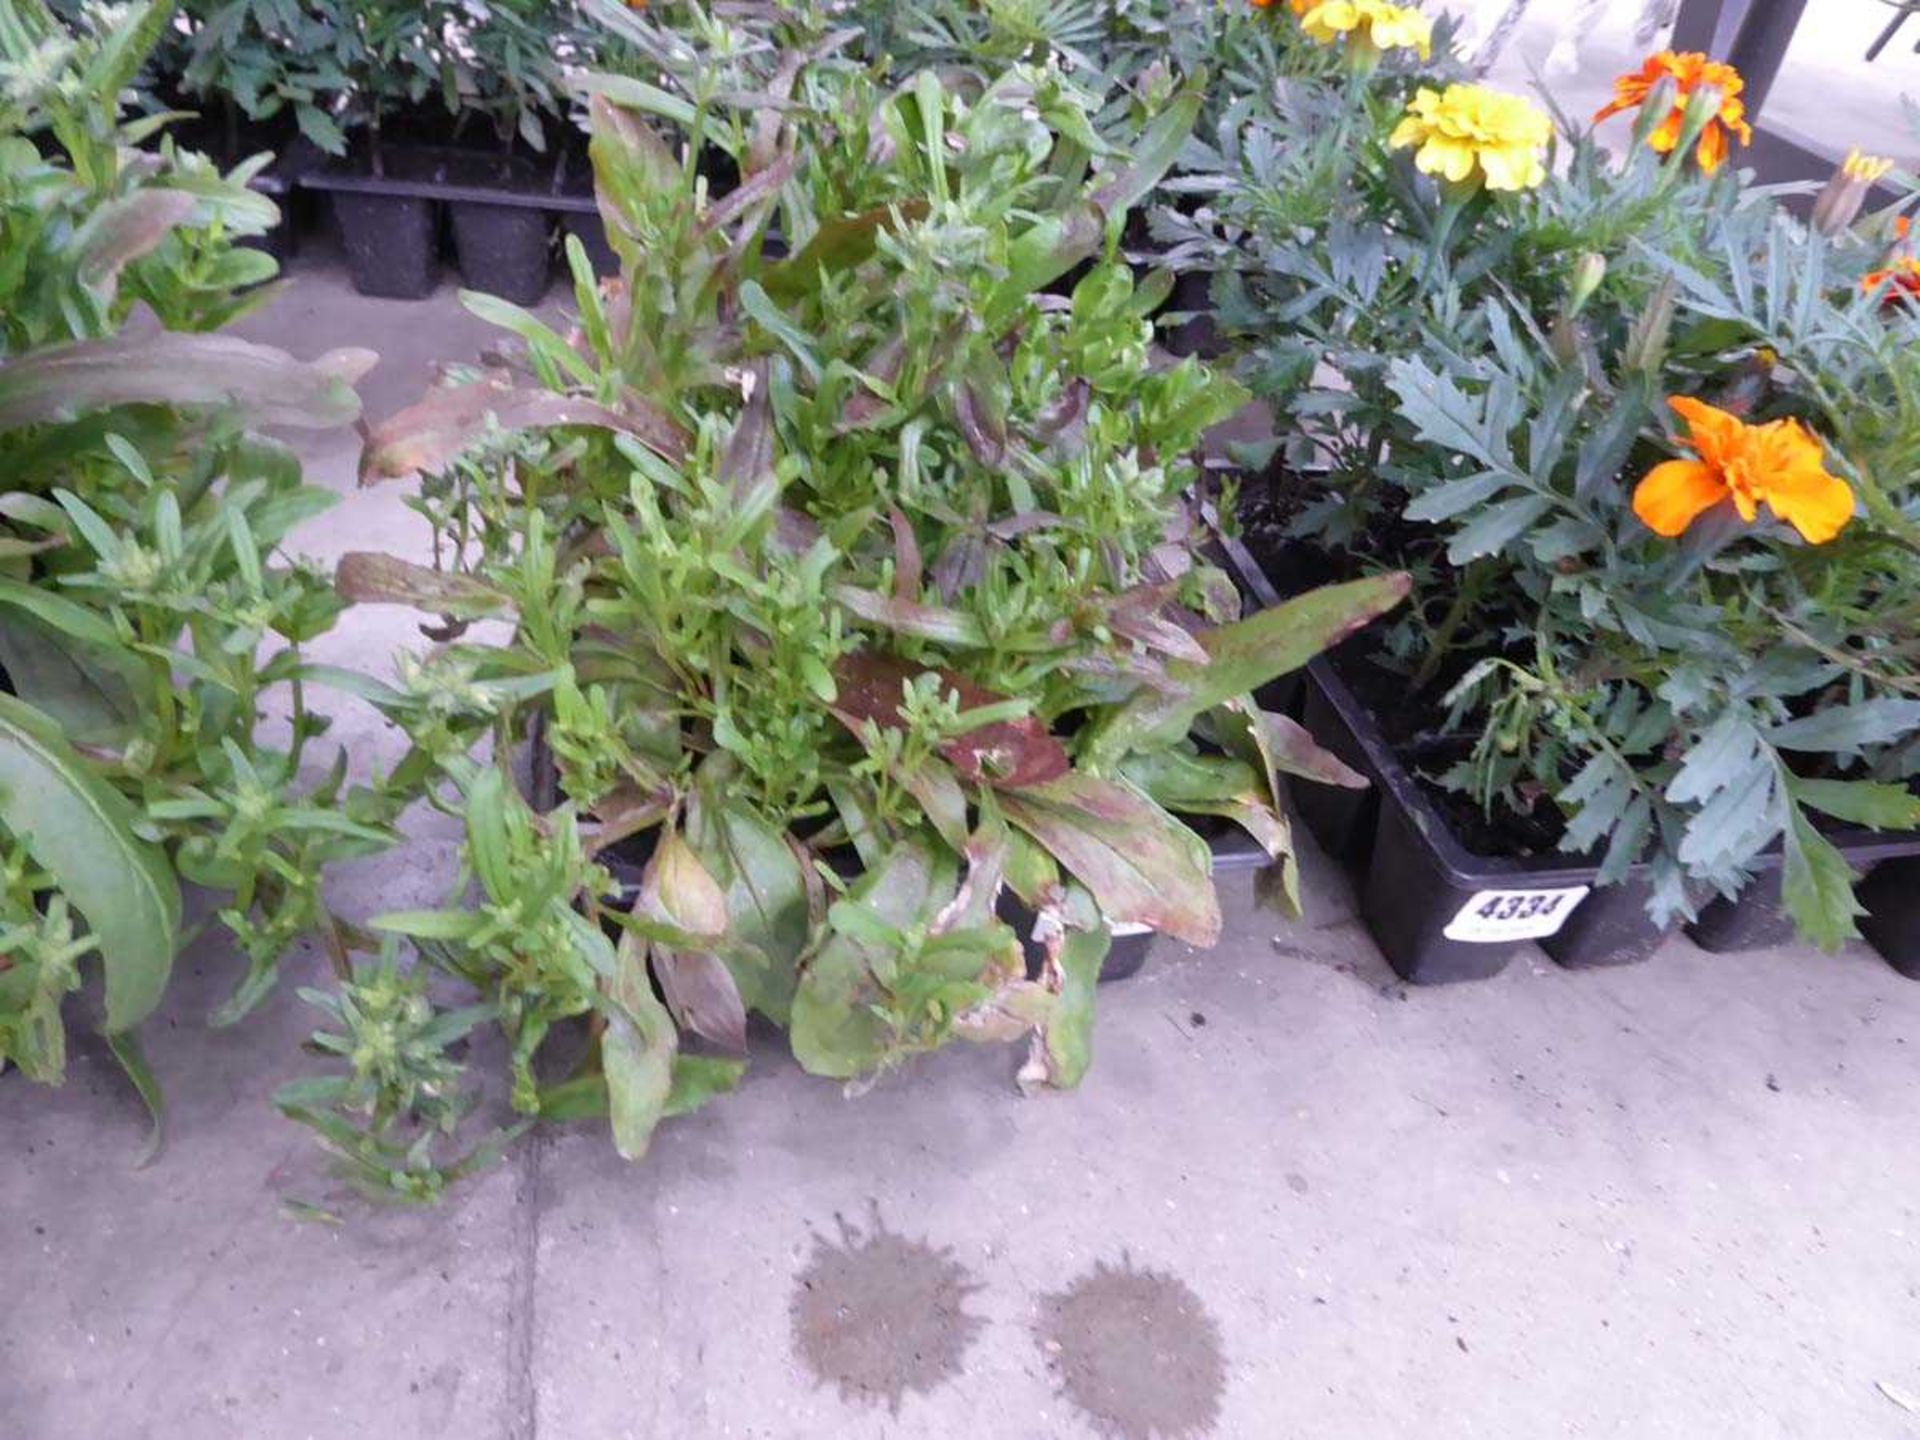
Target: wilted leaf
908	617
1293	751
1062	1048
430	434
702	996
122	230
1141	864
680	894
170	368
746	467
367	578
1148	615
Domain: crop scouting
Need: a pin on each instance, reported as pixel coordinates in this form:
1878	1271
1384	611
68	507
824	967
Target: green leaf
766	900
1861	802
775	321
833	1030
1816	884
94	693
1067	1032
638	1048
428	924
1849	727
1153	154
632	94
698	1079
132	1055
81	831
839	244
1244	656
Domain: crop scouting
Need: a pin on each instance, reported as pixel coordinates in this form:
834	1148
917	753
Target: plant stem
1472	580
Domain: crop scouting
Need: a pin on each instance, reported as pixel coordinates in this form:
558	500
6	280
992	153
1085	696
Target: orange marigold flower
1779	463
1298	7
1690	71
1902	279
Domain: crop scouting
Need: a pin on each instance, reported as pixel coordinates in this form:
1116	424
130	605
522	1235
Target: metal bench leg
1886	35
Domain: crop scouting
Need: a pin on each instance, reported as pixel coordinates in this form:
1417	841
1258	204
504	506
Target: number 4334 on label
1493	916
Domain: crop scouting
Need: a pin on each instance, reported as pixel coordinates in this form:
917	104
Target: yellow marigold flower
1374	23
1470	134
1690	71
1779	463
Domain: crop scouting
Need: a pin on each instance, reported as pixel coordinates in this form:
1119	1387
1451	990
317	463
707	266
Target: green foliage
853	563
402	1084
1470	390
143	621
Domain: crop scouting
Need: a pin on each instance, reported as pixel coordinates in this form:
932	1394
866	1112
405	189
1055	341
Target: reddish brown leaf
701	993
1008	754
907	570
1141	864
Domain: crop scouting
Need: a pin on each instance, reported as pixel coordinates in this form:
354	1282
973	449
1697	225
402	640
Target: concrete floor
1293	1198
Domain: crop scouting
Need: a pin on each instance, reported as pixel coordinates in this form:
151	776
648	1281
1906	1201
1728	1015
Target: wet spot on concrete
1297	1183
881	1316
1136	1351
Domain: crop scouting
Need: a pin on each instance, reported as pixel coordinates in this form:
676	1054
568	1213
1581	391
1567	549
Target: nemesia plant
148	618
858	594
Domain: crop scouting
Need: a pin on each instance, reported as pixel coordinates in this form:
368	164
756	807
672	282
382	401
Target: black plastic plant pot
504	249
1756	920
1891	925
392	242
592	233
1753	921
1340	819
1439	911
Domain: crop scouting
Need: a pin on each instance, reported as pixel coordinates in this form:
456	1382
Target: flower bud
1588	271
1654	111
1838	204
1646	348
1702	106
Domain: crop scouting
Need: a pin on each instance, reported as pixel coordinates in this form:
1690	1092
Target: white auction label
1495	916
